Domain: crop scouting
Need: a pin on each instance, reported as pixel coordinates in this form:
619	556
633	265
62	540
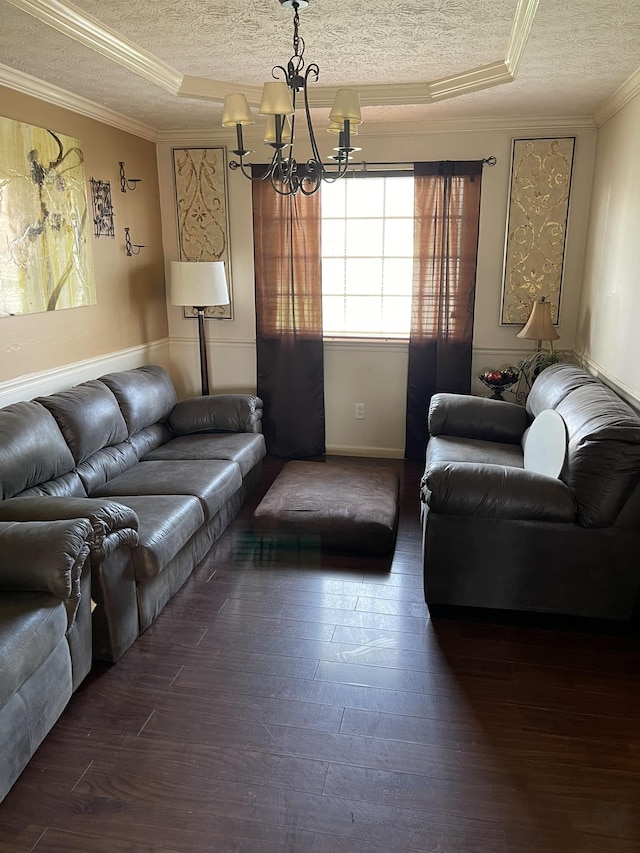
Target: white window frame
380	334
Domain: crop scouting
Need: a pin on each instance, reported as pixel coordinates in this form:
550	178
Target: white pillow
545	444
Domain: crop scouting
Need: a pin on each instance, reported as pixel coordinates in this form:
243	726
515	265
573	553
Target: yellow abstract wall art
45	253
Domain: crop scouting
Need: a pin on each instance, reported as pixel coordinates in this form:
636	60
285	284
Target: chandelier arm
312	69
290	186
323	173
315	179
279	68
235	164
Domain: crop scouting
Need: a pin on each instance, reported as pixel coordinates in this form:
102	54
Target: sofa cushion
88	416
149	438
32	624
165	524
442	449
213	482
553	384
603	452
106	464
145	395
247	449
32	448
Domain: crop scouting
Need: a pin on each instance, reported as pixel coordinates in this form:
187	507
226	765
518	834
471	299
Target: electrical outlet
359	415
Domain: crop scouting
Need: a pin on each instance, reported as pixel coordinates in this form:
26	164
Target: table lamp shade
539	326
198	283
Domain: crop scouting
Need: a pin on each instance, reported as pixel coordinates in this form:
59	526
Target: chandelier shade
278	104
346	106
236	110
270	134
338	127
276	100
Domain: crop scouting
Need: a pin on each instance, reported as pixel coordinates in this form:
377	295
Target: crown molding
522	23
84	28
203	89
28	85
474	80
510	124
494	74
620	98
514	124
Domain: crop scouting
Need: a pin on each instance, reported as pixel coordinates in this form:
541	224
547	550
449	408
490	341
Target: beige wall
375	374
130	311
133	311
610	307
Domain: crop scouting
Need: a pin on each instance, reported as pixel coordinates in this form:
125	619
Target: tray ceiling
168	65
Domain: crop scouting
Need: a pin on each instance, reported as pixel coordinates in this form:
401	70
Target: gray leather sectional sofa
158	480
499	536
45	632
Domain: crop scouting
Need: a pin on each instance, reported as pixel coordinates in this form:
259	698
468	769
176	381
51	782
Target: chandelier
278	104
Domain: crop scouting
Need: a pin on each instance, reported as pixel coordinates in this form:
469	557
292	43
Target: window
367	256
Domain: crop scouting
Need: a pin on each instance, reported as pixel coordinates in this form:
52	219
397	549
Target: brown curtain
446	220
288	270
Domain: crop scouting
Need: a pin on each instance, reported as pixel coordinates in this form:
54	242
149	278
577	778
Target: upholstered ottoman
353	507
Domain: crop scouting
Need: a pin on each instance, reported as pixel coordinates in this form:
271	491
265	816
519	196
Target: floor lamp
199	284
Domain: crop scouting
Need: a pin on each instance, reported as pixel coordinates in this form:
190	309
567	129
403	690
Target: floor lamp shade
199	284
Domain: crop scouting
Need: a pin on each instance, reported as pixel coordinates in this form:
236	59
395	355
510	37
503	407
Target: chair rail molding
61	378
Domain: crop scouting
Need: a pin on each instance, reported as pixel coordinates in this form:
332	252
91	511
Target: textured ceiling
577	53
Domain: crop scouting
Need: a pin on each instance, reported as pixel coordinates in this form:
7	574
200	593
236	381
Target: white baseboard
60	378
369	452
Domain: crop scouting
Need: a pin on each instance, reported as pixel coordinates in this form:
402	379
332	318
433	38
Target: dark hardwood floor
291	701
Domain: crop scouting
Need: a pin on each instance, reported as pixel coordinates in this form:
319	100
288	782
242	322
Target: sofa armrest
496	491
45	556
113	524
465	416
217	413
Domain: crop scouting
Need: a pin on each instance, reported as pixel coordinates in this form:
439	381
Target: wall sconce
127	183
132	248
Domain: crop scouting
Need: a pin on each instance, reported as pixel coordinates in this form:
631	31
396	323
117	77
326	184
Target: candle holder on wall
131	248
127	183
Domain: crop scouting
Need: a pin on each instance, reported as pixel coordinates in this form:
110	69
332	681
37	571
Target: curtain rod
364	164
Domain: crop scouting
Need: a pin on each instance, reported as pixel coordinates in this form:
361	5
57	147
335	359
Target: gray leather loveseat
499	536
158	480
45	632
